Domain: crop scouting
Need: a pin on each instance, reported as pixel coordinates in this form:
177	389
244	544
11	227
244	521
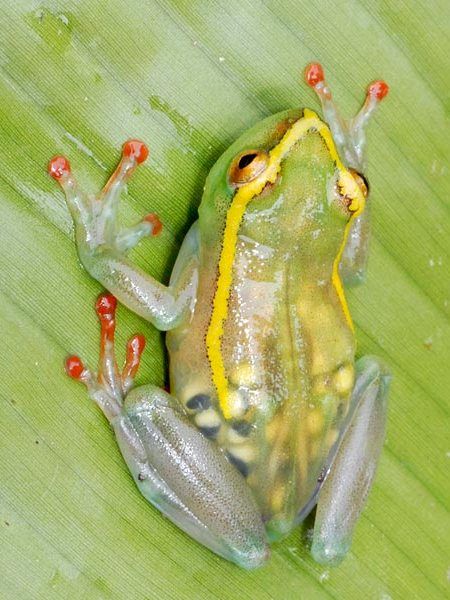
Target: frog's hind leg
344	492
176	468
350	138
187	477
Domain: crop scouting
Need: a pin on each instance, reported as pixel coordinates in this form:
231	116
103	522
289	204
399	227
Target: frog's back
286	344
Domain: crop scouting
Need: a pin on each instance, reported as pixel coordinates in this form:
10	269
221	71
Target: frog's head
291	174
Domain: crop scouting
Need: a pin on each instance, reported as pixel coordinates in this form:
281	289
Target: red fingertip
106	305
378	89
58	166
136	345
135	348
74	367
135	149
314	74
154	221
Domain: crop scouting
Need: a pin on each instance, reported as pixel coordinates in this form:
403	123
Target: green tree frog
268	412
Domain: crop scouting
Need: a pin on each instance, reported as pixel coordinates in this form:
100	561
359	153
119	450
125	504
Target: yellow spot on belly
315	421
344	379
234	437
244	375
246	453
277	498
272	429
208	418
321	385
236	404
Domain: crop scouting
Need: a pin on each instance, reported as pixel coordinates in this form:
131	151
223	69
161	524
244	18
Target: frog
269	414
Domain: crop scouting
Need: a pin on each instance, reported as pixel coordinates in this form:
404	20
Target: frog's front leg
350	138
345	489
102	246
176	468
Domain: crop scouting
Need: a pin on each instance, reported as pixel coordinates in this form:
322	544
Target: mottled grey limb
347	485
188	478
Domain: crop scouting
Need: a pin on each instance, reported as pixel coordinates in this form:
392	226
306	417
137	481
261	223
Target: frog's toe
134	153
129	237
252	558
349	135
330	552
58	167
109	387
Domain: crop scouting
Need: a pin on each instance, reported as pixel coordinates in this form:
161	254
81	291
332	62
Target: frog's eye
362	182
351	189
247	166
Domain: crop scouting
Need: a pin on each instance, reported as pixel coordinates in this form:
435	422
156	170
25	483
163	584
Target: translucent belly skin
288	353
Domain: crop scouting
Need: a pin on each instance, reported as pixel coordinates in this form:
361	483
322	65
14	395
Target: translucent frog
268	412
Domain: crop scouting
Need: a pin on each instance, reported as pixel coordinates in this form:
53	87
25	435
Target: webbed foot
109	387
95	217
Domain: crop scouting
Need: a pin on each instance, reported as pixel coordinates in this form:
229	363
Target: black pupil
366	183
246	160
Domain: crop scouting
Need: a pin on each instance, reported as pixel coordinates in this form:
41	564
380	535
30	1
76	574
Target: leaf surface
79	77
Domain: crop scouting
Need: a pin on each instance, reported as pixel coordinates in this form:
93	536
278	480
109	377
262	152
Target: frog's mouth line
235	214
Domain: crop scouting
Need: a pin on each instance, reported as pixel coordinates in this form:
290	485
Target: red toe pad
154	221
58	166
106	305
74	367
378	89
314	74
135	149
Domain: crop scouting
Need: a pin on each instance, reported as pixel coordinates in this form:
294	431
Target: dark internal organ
235	436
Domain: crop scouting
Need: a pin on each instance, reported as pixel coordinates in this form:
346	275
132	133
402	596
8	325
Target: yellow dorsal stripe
234	218
357	204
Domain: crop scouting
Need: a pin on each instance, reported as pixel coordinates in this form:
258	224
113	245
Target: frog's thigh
345	490
188	478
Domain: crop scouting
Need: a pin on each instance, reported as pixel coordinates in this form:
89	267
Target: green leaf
80	77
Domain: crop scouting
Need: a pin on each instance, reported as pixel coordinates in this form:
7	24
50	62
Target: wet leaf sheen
81	76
